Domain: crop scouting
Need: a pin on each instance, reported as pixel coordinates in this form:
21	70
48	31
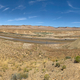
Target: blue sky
56	13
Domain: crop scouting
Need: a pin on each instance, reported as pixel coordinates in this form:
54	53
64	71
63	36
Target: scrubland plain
29	61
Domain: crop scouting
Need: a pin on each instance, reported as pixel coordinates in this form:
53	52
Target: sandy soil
37	60
25	61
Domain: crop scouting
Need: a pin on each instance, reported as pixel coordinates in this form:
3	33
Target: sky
55	13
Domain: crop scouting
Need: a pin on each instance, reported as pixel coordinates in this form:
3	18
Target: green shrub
68	57
56	60
63	67
77	59
57	65
46	77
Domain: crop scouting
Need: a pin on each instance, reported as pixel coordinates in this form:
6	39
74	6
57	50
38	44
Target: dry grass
34	59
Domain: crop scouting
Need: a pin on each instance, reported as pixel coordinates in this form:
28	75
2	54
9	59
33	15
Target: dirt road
36	40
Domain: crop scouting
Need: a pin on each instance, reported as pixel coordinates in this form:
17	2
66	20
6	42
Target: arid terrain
30	61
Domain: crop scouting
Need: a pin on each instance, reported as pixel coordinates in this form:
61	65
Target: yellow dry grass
15	58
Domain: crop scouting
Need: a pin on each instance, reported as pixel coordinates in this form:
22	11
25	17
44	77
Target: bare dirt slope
75	44
34	60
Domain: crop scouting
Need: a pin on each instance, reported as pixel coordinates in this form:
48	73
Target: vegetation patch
63	67
46	77
68	57
77	59
57	65
52	64
56	60
19	76
26	70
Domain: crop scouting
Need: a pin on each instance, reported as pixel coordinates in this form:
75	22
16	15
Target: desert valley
39	53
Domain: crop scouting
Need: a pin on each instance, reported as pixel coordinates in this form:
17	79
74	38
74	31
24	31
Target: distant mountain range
37	27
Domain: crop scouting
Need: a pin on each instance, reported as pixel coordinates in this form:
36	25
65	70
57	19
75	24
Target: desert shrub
24	75
63	67
57	65
77	59
46	77
68	57
19	76
26	70
0	74
56	60
14	64
14	77
44	64
52	64
43	70
19	69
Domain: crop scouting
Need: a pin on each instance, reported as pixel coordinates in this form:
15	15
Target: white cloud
13	9
40	0
69	11
57	18
32	2
32	17
20	19
75	22
71	5
17	19
6	9
19	7
24	13
10	20
1	6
